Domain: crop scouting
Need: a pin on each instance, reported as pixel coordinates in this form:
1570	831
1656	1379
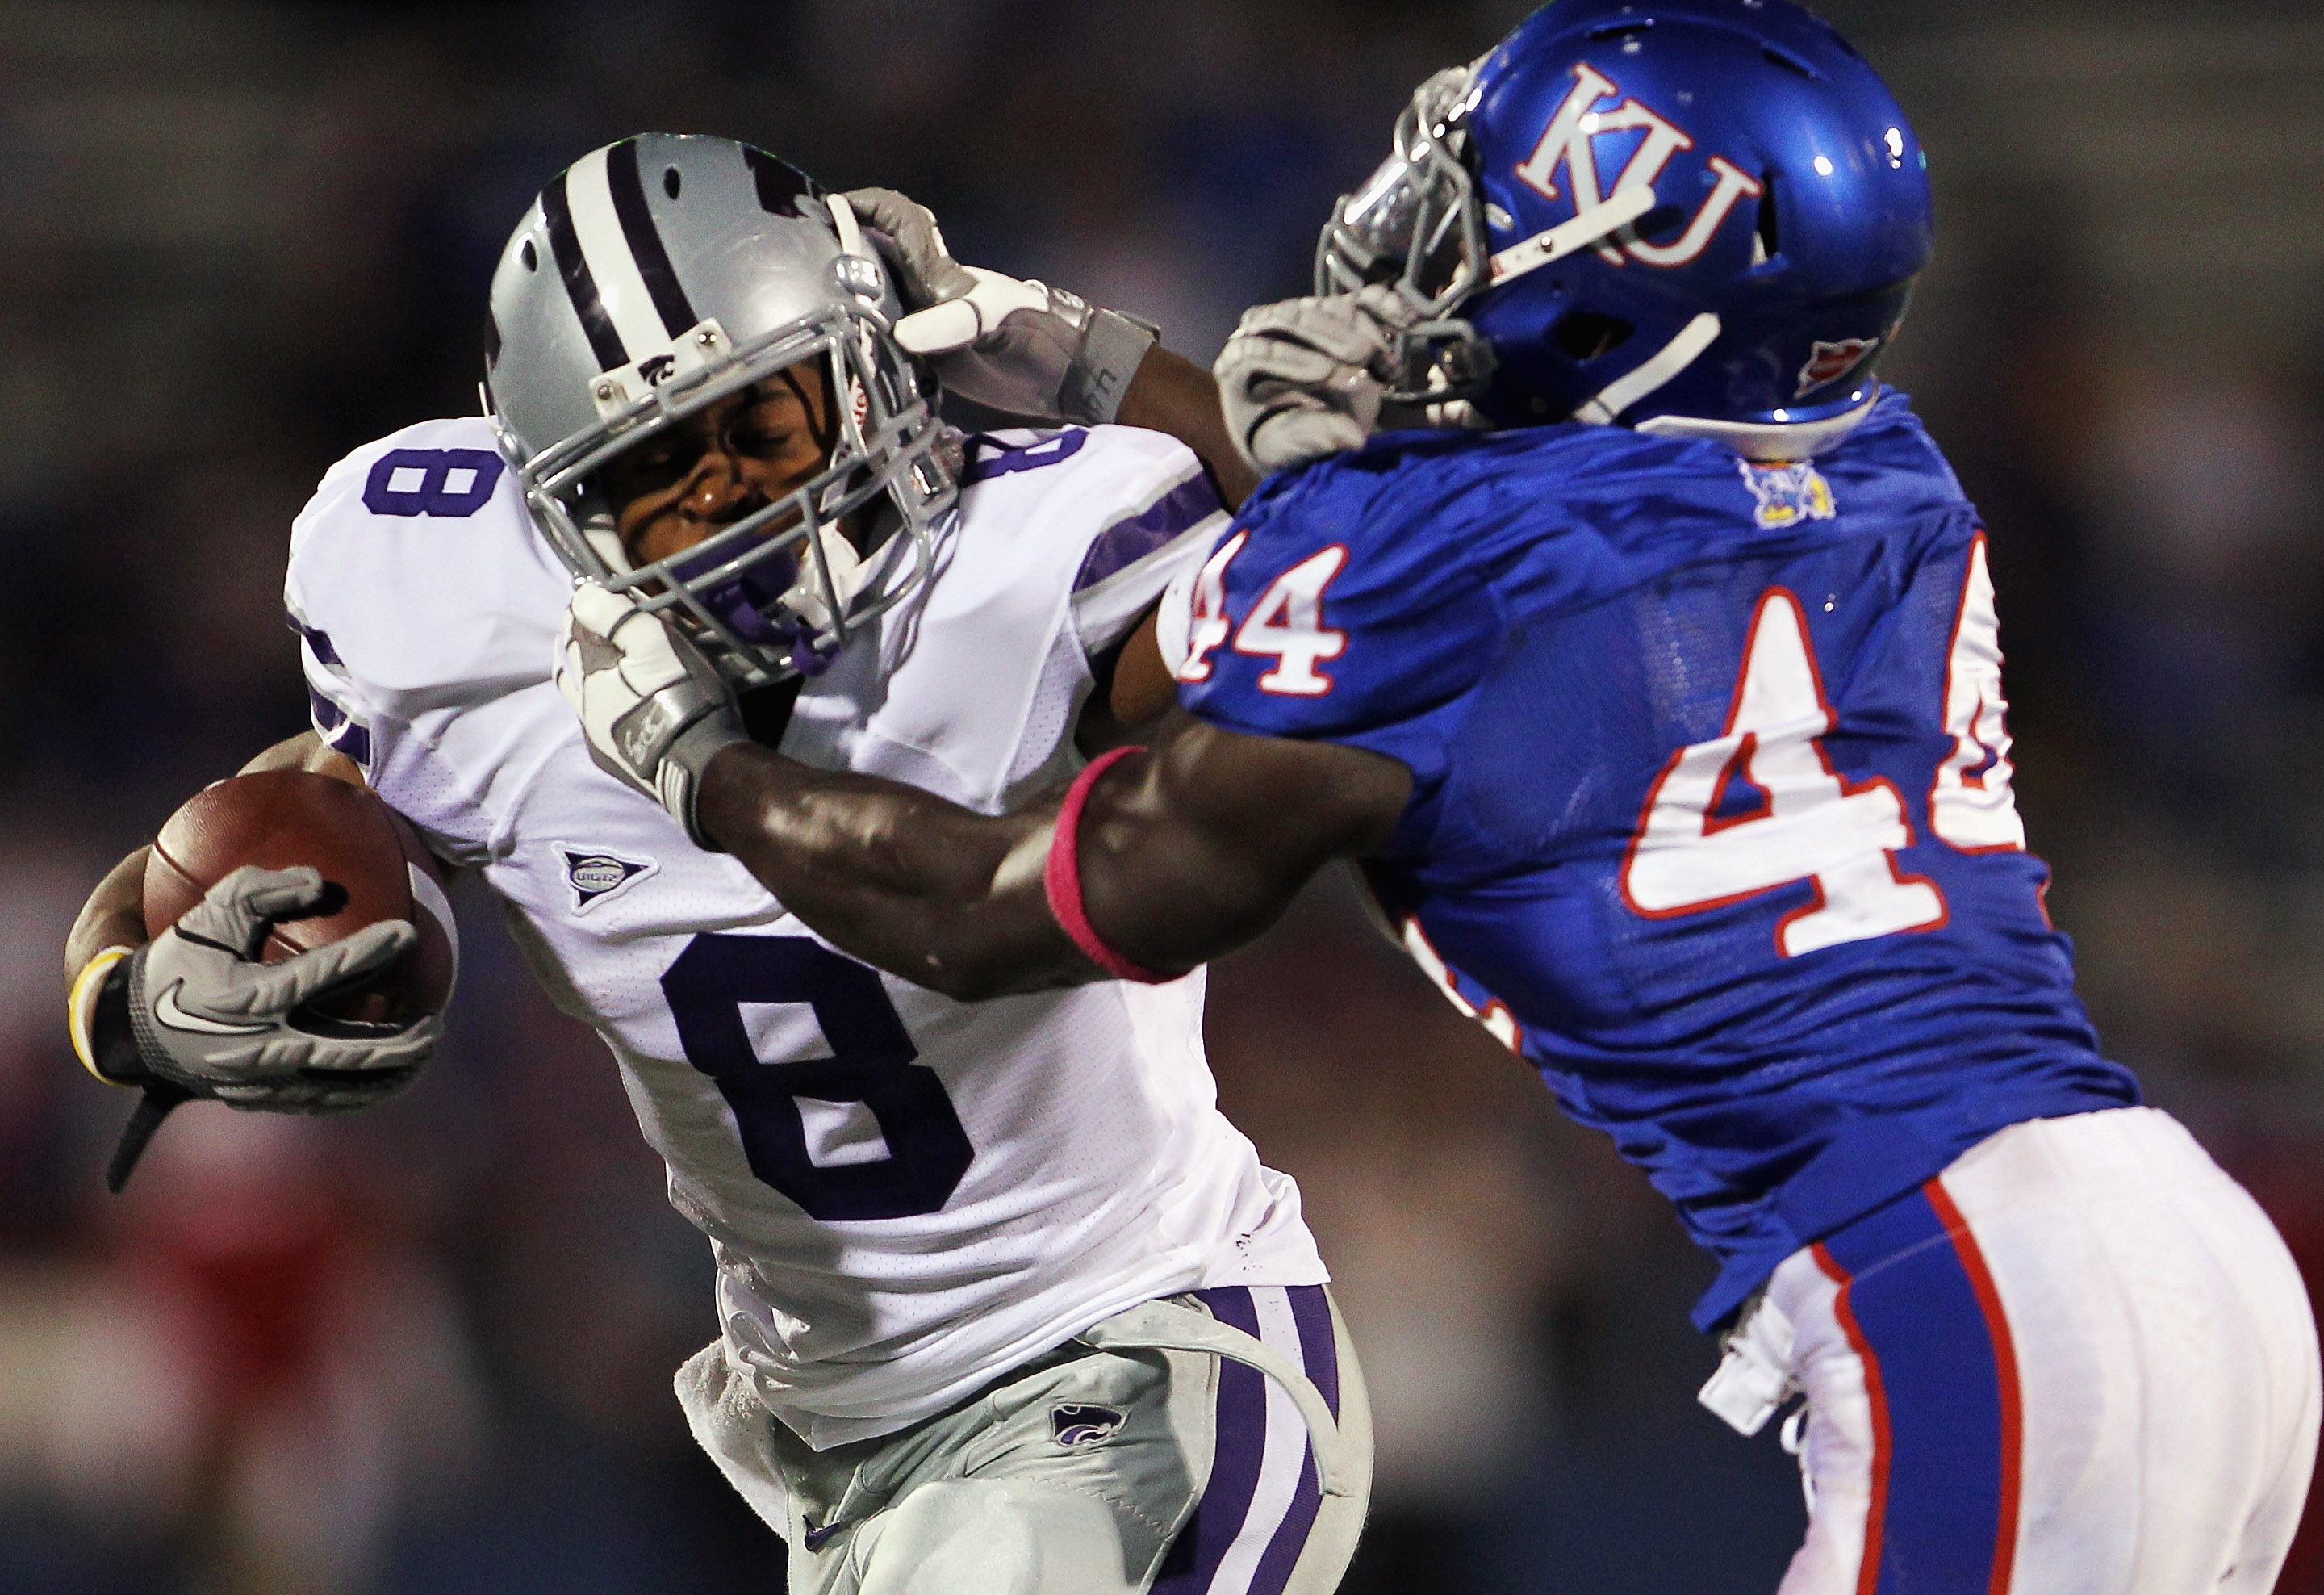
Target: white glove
654	709
1305	378
1012	343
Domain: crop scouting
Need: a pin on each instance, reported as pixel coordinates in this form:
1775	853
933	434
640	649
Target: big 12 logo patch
1568	142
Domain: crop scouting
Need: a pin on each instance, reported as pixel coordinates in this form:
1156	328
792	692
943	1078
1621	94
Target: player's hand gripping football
1013	344
655	711
196	1014
1306	377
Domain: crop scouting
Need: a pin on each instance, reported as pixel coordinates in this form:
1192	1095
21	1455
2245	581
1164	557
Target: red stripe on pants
1867	1575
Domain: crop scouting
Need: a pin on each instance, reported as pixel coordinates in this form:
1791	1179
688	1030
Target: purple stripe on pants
1242	1437
1223	1516
1319	1350
1319	1355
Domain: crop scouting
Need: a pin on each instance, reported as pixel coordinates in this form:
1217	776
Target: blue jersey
1711	808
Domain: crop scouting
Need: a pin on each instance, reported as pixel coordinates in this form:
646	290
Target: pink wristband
1061	877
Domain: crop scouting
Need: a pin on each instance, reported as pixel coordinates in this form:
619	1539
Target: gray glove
1306	377
655	711
210	1020
1013	344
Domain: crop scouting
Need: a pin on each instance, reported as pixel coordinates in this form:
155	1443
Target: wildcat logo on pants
1076	1423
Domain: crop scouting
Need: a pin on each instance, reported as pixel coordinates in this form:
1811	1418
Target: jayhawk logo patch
1784	495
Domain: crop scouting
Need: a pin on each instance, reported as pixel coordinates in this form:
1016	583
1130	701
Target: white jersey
906	1195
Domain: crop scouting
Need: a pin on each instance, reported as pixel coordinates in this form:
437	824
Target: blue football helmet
1685	216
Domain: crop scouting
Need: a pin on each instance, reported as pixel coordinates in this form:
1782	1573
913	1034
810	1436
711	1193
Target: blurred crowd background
430	1351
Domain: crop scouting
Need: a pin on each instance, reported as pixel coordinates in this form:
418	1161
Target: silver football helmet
659	274
1415	225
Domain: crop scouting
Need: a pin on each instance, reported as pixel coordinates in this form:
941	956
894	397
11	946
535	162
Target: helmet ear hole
1584	335
1771	242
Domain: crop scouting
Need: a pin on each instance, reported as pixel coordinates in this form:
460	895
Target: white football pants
1141	1462
2080	1361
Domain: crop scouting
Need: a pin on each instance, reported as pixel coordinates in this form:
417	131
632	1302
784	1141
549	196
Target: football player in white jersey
1006	1304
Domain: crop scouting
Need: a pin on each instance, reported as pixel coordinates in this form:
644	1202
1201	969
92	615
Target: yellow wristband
80	1007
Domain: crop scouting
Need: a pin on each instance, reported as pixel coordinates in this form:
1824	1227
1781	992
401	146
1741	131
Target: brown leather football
376	867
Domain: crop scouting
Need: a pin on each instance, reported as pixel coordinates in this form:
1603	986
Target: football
373	865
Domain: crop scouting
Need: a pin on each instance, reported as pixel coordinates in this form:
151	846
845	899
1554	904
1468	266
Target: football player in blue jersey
1658	685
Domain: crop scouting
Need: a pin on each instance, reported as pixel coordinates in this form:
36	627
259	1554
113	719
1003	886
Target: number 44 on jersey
1696	850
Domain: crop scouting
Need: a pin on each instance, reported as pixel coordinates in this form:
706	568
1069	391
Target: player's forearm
1183	853
945	898
1197	847
1172	395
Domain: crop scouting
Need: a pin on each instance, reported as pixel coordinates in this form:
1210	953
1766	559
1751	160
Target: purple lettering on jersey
1132	538
449	484
871	1062
988	459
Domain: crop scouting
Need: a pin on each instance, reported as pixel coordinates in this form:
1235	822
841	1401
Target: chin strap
1574	236
1445	360
1675	356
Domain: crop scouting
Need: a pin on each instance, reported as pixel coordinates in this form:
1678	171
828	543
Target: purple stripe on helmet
644	239
1132	539
1240	1428
580	286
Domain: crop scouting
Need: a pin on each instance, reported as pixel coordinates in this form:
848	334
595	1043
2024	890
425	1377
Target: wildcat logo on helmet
1079	1423
1569	140
594	876
1786	495
1829	362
